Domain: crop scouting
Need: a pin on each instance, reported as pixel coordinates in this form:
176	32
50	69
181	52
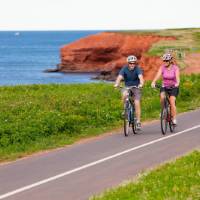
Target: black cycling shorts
170	91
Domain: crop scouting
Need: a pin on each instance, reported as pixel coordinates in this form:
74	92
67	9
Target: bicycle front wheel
171	126
126	127
134	123
169	118
127	121
163	120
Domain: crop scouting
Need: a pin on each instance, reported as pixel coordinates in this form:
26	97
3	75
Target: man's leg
137	97
137	110
124	97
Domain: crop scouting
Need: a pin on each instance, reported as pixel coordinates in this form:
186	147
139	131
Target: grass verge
187	41
176	180
41	117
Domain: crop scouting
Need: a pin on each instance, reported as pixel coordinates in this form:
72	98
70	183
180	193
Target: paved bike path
71	176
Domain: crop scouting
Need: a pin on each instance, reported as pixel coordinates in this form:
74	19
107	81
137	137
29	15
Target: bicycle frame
167	106
165	117
129	116
130	107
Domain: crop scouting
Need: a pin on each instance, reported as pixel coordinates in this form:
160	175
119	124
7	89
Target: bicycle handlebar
160	86
130	87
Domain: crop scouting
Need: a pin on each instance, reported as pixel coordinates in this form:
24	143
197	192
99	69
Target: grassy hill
187	41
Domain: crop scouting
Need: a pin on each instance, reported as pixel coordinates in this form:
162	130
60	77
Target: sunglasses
131	63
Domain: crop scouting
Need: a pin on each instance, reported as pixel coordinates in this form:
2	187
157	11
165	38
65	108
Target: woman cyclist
170	82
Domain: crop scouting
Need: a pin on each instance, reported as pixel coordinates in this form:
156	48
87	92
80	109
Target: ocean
24	55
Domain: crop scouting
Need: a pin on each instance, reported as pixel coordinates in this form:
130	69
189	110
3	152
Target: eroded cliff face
107	53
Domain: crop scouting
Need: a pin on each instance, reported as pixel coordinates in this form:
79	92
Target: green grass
187	41
138	32
40	117
178	180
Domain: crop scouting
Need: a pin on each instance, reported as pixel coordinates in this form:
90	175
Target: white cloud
101	14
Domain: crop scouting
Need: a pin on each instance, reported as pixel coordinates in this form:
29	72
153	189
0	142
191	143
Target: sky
98	14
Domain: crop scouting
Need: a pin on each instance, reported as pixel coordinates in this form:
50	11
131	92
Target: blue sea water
25	55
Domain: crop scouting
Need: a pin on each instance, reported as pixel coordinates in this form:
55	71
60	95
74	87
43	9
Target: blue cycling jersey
131	76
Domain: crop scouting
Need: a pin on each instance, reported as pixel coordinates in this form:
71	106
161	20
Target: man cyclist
132	76
170	82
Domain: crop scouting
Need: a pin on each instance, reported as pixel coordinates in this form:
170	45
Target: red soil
108	52
192	63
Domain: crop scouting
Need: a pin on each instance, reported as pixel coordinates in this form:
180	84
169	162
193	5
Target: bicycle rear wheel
134	127
163	120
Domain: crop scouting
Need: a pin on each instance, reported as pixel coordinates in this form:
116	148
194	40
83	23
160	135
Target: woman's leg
172	100
162	97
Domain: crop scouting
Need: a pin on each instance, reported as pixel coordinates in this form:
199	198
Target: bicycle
165	115
129	116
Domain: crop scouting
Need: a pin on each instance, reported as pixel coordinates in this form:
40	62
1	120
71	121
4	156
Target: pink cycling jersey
169	75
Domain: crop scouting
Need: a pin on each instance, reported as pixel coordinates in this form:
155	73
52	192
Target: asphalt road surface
87	168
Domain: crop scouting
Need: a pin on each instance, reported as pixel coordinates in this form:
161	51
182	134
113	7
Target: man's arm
118	80
141	80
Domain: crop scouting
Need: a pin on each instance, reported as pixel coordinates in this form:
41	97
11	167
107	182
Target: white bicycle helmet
167	57
131	58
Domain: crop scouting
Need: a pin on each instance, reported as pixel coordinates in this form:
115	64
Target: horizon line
153	29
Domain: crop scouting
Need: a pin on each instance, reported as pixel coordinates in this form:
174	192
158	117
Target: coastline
31	53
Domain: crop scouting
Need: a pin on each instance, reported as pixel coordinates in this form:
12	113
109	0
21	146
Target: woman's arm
177	77
158	75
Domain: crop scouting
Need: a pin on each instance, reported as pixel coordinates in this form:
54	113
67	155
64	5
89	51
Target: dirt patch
192	62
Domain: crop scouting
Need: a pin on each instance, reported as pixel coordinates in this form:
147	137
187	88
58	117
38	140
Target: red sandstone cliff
107	52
